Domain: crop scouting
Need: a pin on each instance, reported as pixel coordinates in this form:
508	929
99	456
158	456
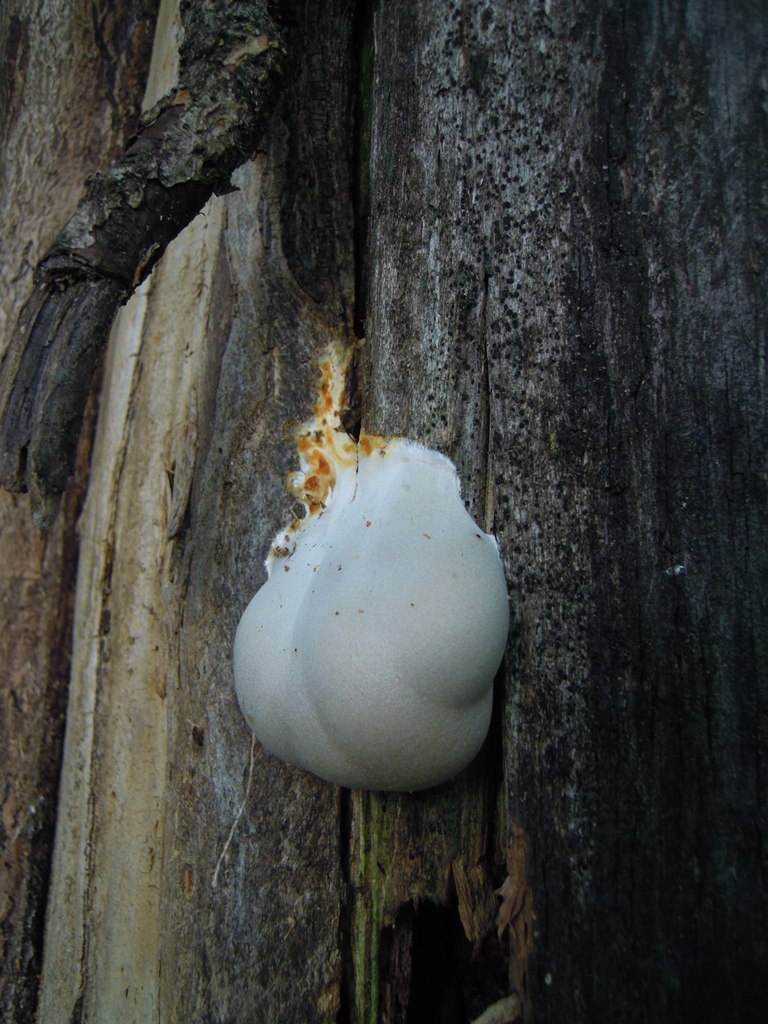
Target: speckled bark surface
568	238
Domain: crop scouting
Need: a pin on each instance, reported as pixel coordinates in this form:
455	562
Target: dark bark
185	151
569	227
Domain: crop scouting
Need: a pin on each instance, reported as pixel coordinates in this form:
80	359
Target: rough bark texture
36	616
65	109
568	262
551	221
209	872
189	143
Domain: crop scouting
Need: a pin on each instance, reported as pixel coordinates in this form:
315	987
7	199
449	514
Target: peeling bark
186	150
49	144
210	872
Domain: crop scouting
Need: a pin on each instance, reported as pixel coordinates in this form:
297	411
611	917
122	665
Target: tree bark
208	872
550	223
65	109
189	142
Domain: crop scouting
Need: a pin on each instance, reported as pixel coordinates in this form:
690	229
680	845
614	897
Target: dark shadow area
450	983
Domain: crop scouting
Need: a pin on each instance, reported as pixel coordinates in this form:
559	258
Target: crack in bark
186	151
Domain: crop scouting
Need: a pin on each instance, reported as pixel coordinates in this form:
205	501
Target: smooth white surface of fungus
369	654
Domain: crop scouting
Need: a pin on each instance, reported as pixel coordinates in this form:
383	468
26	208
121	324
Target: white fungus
369	654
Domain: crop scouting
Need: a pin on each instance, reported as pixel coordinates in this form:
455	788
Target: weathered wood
210	871
561	283
189	143
568	263
49	145
58	128
36	615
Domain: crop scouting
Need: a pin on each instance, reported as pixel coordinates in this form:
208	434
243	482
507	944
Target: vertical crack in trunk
486	436
363	48
347	993
363	52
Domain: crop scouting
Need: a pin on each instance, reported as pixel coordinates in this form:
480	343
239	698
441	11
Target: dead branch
186	151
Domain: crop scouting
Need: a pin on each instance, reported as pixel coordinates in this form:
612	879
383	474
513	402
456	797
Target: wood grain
550	221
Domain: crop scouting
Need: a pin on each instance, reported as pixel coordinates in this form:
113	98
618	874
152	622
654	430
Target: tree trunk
70	92
550	223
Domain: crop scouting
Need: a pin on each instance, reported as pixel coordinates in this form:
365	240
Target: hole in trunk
432	974
440	958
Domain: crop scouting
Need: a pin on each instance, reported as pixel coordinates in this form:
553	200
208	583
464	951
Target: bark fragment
186	150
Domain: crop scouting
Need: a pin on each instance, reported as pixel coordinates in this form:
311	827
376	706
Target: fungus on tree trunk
368	656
